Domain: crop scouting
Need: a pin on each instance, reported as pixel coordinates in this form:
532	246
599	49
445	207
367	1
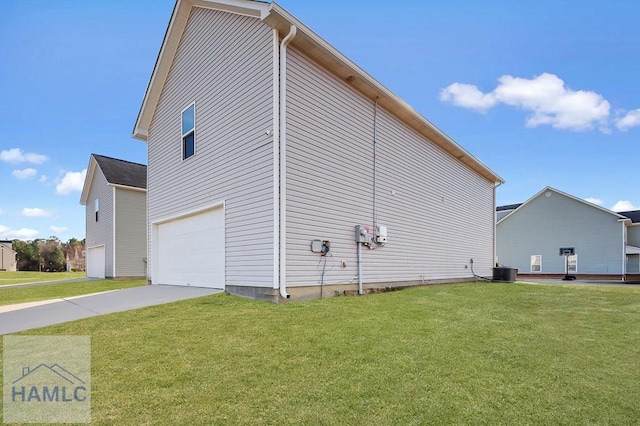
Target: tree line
46	254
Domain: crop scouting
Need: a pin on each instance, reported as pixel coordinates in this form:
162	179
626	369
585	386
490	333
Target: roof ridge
118	159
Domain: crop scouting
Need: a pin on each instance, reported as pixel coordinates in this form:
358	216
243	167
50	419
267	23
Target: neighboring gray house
115	197
7	256
530	236
263	138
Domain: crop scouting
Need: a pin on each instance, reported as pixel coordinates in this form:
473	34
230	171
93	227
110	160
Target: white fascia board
632	250
169	47
586	203
128	188
88	181
342	67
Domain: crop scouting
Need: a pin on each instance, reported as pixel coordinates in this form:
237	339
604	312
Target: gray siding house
115	197
267	147
7	256
530	236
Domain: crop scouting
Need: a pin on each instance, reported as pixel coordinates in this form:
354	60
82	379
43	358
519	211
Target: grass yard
22	277
451	354
10	296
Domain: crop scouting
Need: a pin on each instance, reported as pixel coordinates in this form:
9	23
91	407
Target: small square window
189	131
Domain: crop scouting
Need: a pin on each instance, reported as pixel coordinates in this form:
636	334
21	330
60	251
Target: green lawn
451	354
21	277
9	296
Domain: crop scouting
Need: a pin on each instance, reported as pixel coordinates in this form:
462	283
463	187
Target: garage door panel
191	251
96	262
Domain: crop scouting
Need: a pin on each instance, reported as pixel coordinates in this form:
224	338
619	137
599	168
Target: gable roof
634	215
548	188
314	46
117	172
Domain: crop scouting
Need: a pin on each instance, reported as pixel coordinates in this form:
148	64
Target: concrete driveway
25	316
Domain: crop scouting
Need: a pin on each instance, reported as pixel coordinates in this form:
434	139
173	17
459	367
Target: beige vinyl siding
224	64
101	232
439	213
131	233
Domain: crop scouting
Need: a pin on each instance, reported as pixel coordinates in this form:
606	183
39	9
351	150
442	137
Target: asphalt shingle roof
121	172
634	215
508	207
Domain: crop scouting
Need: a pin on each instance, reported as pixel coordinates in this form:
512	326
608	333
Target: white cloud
15	156
545	96
43	179
593	200
631	119
72	181
35	212
24	173
20	234
59	229
467	96
624	206
1	211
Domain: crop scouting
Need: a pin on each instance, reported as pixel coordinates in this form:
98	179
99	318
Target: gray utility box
504	274
364	234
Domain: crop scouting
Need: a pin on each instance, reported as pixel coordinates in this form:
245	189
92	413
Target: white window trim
531	263
566	266
183	135
96	208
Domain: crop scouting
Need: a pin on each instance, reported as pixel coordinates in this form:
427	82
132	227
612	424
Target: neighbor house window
97	208
572	263
536	263
189	131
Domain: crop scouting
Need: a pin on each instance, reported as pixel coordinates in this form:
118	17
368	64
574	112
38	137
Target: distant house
530	236
76	259
8	260
114	194
267	147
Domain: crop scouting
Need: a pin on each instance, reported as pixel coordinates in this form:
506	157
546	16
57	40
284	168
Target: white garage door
190	251
95	262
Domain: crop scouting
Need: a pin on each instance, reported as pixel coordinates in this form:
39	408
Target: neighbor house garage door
95	262
190	251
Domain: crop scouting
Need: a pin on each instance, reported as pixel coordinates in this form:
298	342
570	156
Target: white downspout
283	161
624	251
276	159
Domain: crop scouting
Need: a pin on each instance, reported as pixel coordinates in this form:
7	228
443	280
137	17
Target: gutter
283	161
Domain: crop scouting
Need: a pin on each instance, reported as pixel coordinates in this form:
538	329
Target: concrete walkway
73	280
25	316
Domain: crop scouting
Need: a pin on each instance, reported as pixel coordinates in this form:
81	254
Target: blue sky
544	93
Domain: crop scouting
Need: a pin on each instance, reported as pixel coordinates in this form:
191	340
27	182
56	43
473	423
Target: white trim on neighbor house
113	232
567	263
624	244
126	187
548	188
533	263
632	250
